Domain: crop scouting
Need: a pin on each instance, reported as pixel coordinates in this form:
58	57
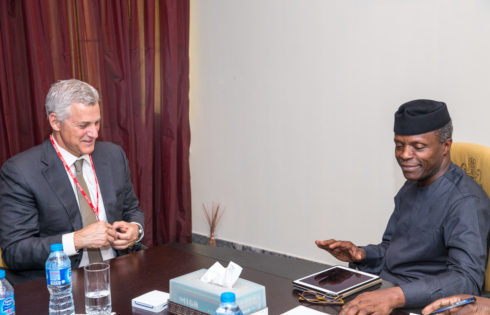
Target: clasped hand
119	235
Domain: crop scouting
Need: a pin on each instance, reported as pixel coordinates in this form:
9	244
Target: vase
212	240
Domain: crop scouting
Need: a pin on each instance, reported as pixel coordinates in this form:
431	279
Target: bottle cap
56	247
2	273
228	297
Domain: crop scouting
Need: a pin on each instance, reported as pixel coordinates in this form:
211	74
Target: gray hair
66	92
445	132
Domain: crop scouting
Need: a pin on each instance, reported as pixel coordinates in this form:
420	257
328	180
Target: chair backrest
474	159
2	264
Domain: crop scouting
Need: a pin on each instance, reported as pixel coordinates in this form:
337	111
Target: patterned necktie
88	215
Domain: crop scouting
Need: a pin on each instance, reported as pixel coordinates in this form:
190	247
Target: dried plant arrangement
213	218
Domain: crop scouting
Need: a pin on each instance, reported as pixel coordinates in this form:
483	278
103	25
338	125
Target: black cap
420	116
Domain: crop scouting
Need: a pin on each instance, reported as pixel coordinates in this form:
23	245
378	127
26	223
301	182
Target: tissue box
188	290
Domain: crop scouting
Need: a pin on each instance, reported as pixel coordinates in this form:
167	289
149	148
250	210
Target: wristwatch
141	233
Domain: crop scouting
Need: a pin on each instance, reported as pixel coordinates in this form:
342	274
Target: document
303	310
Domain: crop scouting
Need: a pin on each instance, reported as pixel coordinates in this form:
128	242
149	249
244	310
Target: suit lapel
55	175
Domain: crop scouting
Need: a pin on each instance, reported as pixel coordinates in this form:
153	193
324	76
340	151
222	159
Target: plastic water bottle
58	277
228	305
7	303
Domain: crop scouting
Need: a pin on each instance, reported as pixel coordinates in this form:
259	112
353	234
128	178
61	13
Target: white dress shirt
88	174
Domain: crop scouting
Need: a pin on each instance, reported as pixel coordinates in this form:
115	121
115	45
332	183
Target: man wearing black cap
435	244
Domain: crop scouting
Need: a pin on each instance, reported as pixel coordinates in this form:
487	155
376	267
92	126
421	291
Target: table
137	273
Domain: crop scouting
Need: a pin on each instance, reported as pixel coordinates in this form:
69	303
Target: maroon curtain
136	54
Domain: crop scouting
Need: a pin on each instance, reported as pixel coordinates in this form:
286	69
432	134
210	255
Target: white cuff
69	244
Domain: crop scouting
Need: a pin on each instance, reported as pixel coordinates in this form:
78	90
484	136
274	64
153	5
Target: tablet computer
337	281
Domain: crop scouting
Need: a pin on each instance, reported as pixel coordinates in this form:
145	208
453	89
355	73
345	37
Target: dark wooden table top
151	269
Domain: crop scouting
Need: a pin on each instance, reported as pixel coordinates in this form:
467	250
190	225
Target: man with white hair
71	189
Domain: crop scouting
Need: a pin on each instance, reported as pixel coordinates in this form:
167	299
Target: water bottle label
58	277
7	305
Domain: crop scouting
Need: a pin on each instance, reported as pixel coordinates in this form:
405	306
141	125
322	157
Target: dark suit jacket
38	205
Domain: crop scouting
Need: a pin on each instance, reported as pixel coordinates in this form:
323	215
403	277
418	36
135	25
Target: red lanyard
96	210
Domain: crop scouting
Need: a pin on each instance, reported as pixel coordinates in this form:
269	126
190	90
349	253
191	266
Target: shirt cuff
416	294
69	244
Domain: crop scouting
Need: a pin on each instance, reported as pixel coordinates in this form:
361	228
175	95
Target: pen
456	304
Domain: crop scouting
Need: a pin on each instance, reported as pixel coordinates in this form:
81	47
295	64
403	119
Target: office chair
474	159
2	264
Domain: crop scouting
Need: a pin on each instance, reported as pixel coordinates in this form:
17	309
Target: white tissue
219	275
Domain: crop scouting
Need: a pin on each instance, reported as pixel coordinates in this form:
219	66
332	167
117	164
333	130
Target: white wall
292	107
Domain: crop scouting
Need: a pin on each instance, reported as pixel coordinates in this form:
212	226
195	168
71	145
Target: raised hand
342	250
